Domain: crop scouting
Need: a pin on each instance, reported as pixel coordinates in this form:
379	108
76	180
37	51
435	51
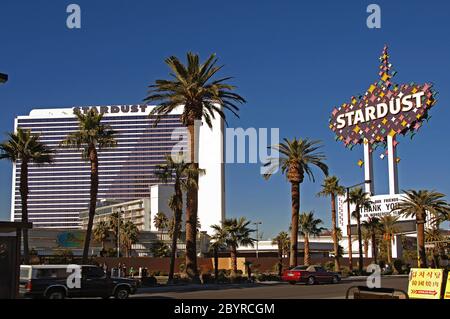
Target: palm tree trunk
295	194
307	257
337	265
93	200
216	264
366	248
191	215
374	248
360	259
24	201
233	255
421	241
176	230
280	258
388	250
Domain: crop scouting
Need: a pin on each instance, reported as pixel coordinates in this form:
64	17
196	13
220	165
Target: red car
310	275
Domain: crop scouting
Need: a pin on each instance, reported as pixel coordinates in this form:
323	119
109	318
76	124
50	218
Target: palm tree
280	241
113	222
23	148
361	200
308	226
91	137
161	223
389	228
233	233
332	188
202	97
217	243
373	228
297	156
184	177
101	232
129	234
434	236
418	203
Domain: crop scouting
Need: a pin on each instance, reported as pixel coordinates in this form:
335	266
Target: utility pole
349	228
257	236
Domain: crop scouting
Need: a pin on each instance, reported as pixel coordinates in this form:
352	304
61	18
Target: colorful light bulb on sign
386	109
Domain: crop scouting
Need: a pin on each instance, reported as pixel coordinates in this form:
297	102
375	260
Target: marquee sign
386	109
381	205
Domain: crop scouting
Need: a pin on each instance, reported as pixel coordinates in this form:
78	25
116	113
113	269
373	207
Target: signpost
425	283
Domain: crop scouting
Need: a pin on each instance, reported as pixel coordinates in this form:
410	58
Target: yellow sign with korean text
447	288
425	283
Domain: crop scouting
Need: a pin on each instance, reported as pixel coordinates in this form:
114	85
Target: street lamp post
349	228
257	236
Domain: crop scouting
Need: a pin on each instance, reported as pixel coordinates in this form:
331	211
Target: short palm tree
91	137
23	148
234	232
331	187
101	232
113	223
129	234
161	223
417	204
361	200
308	226
389	228
184	177
280	240
435	237
296	158
202	97
373	227
217	244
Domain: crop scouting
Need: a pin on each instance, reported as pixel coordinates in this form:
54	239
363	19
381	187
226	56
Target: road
265	291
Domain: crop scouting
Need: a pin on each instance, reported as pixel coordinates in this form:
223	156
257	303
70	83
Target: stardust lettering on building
114	109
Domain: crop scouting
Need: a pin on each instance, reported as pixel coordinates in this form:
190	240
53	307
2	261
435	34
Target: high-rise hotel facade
59	191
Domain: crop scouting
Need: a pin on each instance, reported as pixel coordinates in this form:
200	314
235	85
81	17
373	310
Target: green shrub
149	281
267	277
398	265
206	278
329	265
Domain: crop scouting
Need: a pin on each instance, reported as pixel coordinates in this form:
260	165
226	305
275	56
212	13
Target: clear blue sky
292	60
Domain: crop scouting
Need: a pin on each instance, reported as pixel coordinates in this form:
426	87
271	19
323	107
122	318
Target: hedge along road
265	290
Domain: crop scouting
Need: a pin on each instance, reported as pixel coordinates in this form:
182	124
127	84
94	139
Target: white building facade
59	191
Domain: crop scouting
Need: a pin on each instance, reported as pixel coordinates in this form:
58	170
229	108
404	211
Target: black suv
58	282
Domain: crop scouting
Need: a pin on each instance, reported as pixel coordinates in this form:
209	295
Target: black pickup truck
68	281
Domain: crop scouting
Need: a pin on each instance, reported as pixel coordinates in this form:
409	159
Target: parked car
56	282
310	275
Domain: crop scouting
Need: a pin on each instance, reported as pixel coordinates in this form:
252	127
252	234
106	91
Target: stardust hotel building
59	191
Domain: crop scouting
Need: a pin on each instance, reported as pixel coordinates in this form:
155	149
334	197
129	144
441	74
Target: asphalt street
265	290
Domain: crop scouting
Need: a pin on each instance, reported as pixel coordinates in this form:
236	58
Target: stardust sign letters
386	109
372	113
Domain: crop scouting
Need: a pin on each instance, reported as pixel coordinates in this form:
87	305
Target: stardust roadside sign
425	283
386	109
